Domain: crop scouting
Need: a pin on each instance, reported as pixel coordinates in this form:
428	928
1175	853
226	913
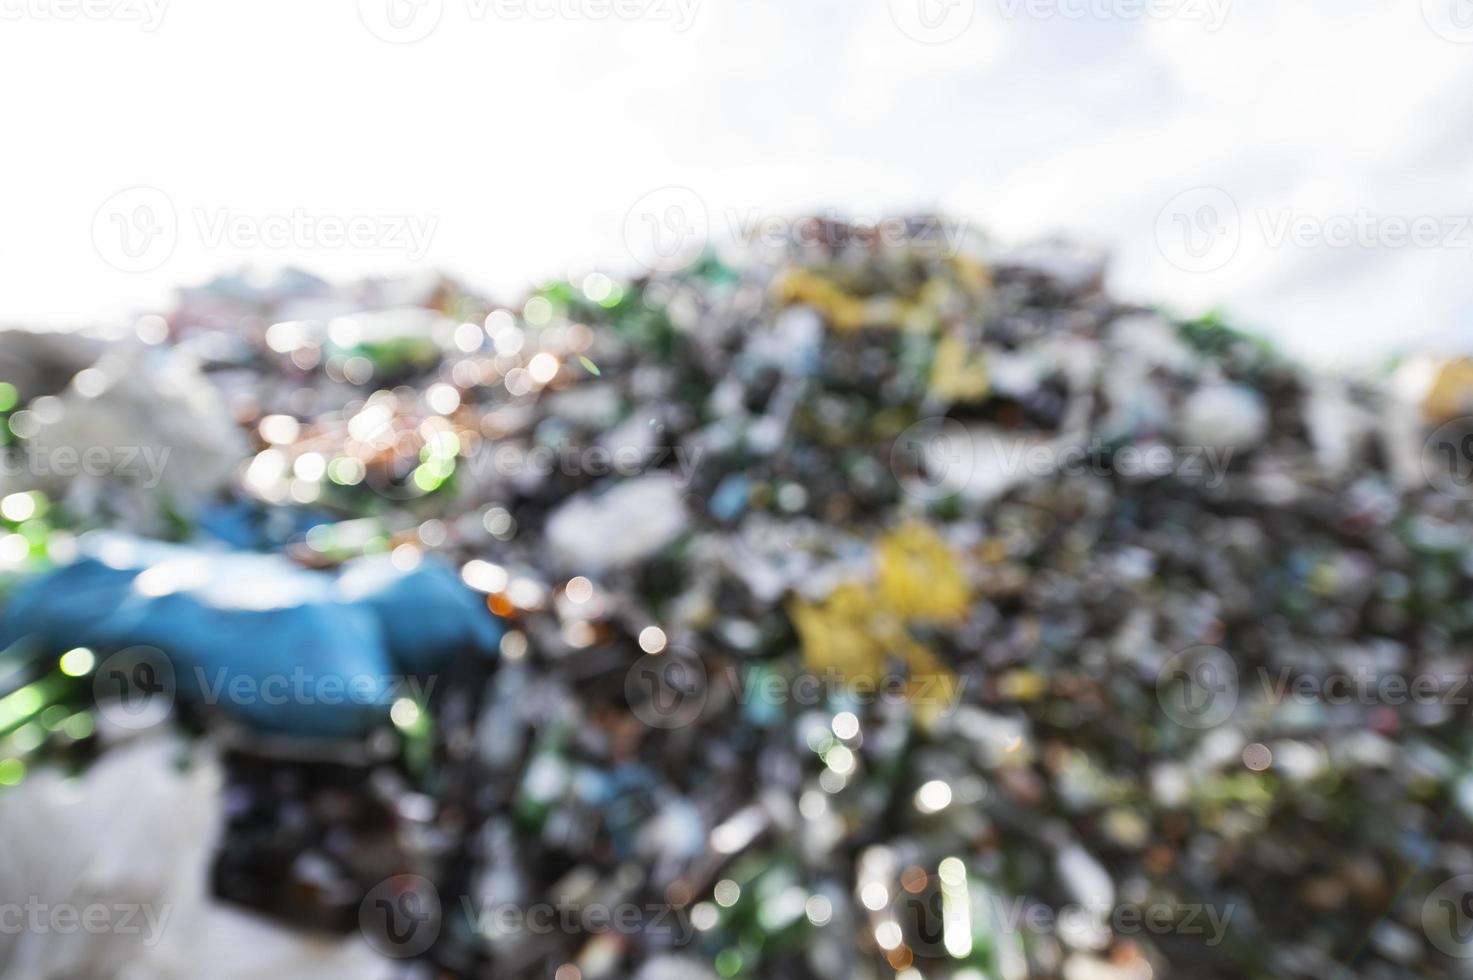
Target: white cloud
529	140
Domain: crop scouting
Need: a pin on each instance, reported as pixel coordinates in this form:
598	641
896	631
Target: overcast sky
1305	165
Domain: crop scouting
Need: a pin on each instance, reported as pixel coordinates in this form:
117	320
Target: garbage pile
871	610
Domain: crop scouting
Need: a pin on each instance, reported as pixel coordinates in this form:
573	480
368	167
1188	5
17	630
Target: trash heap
872	610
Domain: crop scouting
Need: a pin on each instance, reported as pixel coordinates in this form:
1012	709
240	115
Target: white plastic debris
1224	417
43	363
145	427
1088	882
127	847
675	968
624	525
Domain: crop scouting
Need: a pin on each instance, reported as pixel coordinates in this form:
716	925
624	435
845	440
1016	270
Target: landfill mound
873	609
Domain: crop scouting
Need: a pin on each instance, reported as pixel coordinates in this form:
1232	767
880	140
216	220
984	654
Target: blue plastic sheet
273	644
